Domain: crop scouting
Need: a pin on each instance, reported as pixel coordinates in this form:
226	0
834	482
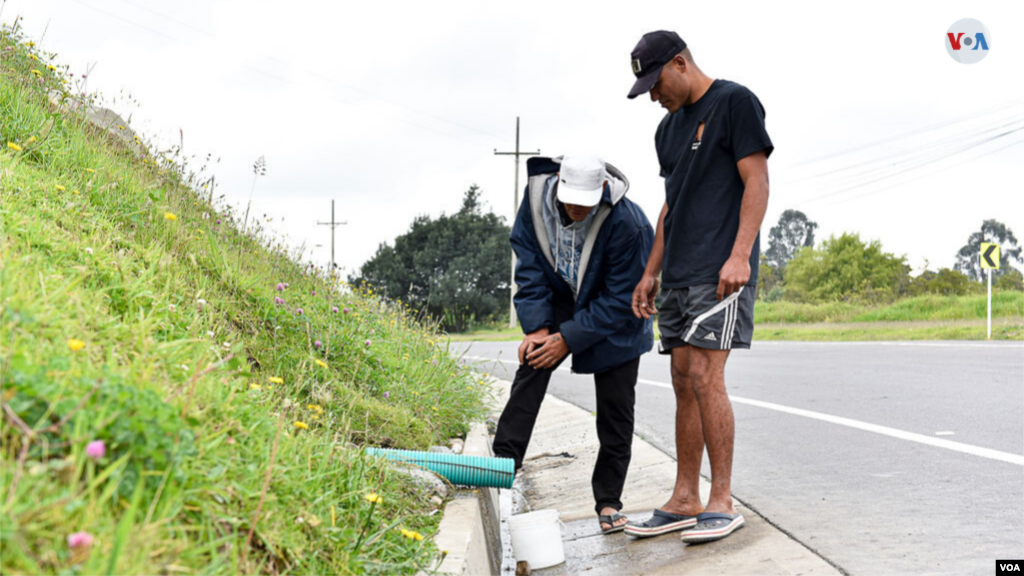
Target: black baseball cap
653	51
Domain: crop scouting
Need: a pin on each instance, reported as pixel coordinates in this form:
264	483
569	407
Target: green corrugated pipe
479	471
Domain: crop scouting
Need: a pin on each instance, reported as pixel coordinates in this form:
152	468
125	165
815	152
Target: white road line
989	345
848	422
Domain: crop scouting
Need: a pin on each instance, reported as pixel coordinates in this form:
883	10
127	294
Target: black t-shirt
702	183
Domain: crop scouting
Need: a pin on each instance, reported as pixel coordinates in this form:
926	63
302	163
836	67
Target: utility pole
515	210
333	225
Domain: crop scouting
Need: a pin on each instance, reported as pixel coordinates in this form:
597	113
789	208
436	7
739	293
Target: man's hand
643	297
550	352
733	275
531	341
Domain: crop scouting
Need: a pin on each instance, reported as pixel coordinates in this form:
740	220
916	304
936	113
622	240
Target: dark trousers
616	396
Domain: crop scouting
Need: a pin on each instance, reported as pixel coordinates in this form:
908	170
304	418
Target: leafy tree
793	232
968	259
945	282
1010	280
845	268
454	269
769	282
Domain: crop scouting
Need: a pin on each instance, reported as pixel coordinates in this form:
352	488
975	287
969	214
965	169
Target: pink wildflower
387	395
314	292
345	311
96	449
285	284
80	540
334	309
278	300
368	342
280	287
317	344
298	311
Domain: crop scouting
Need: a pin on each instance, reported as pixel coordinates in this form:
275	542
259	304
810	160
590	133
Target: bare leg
707	379
685	498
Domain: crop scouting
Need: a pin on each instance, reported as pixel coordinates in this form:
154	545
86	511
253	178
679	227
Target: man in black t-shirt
713	150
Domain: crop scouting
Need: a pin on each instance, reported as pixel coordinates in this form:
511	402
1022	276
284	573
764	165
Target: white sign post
990	261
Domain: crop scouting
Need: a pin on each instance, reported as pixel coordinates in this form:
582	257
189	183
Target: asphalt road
884	458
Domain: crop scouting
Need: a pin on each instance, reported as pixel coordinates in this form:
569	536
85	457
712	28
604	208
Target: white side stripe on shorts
714	310
730	325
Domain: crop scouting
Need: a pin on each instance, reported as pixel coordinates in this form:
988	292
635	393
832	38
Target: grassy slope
181	338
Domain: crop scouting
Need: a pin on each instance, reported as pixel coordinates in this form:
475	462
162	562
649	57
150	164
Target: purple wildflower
334	309
368	342
285	284
387	395
280	287
278	300
345	311
314	292
298	311
96	449
317	344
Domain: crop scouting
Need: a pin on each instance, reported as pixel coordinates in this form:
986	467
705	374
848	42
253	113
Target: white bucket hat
581	180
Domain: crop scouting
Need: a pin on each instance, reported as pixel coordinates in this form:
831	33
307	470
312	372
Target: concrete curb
469	534
556	474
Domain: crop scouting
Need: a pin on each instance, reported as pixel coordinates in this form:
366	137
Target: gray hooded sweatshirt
567	241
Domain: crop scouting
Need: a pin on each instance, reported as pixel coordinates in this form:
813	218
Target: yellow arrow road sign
990	255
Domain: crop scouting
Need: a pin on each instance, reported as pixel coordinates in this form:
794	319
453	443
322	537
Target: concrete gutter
556	474
469	535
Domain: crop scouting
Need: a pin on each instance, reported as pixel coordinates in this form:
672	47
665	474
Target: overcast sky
394	109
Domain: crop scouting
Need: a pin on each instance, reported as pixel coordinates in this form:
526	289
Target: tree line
847	268
454	270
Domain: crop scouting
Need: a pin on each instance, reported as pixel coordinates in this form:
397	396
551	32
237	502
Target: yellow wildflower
37	73
30	44
276	380
76	344
120	127
75	192
255	386
30	140
412	534
301	425
90	170
314	407
321	363
51	67
60	188
14	146
373	498
33	56
169	216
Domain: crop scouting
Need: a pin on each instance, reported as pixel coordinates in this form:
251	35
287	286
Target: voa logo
967	41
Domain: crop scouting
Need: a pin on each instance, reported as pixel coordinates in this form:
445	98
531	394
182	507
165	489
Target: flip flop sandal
660	523
712	526
610	520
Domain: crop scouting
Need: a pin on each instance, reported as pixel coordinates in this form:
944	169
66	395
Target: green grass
210	467
1002	329
917	318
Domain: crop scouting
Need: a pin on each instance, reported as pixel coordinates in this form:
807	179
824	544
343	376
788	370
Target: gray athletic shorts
696	316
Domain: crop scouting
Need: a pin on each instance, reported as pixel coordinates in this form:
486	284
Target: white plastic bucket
537	538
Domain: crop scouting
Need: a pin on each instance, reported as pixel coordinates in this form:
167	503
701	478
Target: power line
909	153
966	147
912	133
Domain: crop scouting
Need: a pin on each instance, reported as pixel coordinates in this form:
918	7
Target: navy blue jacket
598	325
